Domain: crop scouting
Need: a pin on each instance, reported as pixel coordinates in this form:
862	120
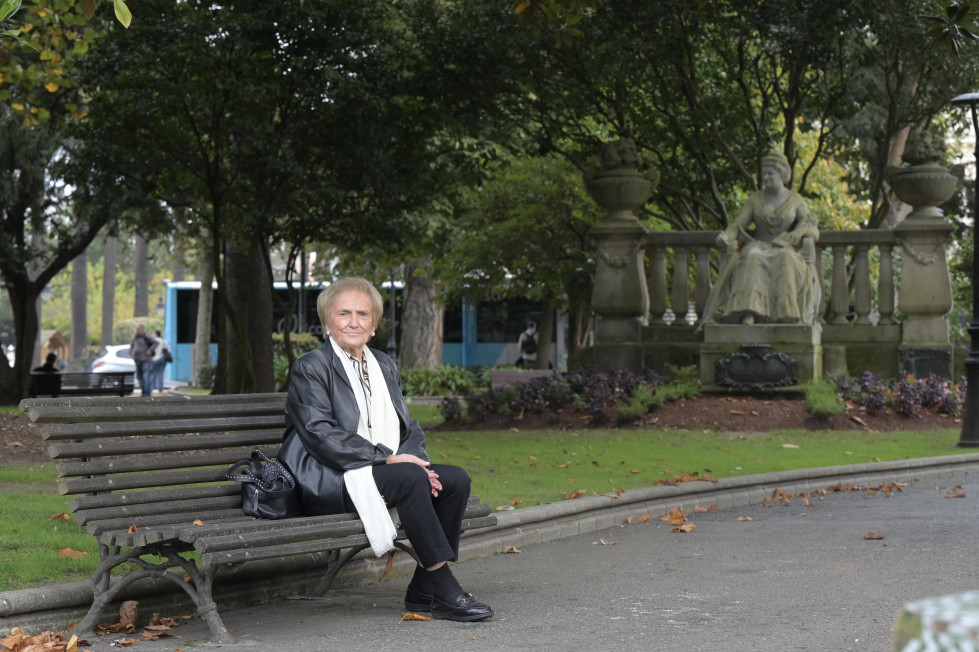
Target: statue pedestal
760	356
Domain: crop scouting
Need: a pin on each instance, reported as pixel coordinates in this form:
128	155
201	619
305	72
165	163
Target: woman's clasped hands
414	459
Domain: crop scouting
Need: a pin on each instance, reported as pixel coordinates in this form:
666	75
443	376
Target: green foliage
524	232
124	331
205	375
445	380
301	343
822	399
639	404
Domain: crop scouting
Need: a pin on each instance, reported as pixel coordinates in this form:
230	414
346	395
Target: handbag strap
255	472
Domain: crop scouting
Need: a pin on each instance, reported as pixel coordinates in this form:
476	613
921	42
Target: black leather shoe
416	602
466	609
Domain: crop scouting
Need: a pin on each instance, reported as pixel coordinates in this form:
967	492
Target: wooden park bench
82	383
147	478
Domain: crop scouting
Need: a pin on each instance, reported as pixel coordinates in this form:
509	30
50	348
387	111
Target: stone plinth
801	343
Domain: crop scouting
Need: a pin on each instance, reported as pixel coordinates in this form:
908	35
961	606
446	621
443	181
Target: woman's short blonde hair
326	298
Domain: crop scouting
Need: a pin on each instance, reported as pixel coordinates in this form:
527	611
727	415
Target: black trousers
433	525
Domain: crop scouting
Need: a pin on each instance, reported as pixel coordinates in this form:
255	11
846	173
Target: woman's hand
414	459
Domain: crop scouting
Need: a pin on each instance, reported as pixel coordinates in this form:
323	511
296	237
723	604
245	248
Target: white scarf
385	429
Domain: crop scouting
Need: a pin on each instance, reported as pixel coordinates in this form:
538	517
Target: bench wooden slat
152	463
166	507
104	429
163	444
305	547
97	501
88	409
115	532
135	481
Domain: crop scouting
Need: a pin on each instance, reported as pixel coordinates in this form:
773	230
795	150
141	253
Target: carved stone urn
620	297
924	183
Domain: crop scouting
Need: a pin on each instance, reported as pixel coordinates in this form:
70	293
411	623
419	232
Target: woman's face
351	321
771	177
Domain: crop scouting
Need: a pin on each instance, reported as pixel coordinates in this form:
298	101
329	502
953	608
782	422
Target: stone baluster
839	304
680	296
885	285
821	311
657	283
701	290
861	284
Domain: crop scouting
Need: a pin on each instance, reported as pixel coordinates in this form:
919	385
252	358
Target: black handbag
268	490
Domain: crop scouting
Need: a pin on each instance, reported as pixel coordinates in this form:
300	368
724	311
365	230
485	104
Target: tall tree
108	289
79	306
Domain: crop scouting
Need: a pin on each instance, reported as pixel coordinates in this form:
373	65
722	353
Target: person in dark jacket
352	446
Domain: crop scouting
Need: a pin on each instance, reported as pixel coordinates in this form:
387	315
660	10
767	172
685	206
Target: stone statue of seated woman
769	276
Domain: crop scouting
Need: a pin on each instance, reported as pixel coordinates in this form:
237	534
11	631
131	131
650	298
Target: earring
373	333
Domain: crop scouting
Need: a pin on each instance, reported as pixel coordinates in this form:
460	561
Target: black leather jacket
321	440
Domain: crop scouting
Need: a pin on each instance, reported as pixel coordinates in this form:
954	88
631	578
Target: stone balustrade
866	321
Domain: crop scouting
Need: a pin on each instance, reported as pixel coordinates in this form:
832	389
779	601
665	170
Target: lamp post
161	308
970	418
392	340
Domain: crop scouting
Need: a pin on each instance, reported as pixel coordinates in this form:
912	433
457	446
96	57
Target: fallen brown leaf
873	536
609	543
388	567
63	516
69	553
410	616
675	516
510	550
575	494
686	527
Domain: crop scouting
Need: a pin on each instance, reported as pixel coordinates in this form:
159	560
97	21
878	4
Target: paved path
794	577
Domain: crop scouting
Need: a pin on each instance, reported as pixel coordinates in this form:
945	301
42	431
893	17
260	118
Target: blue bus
483	333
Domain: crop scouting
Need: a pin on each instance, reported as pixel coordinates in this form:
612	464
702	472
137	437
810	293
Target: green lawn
522	468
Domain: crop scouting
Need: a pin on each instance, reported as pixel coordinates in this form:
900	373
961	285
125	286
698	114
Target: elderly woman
770	275
352	446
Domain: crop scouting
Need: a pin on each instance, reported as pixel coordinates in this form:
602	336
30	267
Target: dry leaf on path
388	567
873	536
510	550
410	616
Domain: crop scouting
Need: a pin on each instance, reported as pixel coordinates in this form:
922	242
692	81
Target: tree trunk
545	333
24	297
141	277
79	308
247	300
202	331
109	257
421	319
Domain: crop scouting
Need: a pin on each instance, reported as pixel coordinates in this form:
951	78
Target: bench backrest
81	383
136	460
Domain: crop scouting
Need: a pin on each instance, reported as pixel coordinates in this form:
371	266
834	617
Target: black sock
444	584
420	581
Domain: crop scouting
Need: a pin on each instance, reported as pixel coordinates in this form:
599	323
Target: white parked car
114	359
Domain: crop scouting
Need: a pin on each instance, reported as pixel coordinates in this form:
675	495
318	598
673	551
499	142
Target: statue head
778	161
